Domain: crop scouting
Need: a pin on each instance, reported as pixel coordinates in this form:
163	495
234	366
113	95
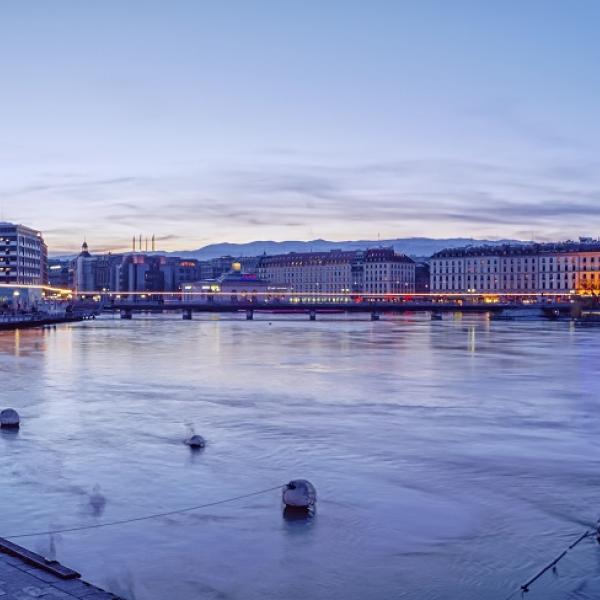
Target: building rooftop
332	257
526	249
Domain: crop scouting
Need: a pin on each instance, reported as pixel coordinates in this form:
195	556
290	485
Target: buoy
195	441
9	418
299	493
97	501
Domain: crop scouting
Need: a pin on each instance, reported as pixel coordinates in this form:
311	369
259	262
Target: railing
18	318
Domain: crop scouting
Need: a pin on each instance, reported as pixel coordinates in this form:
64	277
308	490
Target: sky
210	121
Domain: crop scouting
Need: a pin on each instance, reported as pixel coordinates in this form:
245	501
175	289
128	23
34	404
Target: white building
23	255
374	271
528	268
234	286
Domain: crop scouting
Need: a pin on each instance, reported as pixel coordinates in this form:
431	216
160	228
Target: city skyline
299	122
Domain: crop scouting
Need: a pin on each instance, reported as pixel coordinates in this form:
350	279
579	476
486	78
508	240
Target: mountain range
414	246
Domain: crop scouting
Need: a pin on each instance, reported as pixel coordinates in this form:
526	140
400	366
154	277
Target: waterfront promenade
24	579
10	322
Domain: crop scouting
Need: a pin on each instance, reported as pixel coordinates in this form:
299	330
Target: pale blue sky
233	121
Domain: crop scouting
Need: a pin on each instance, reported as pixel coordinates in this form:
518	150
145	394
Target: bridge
551	308
543	305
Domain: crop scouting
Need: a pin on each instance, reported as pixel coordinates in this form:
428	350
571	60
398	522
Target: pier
24	574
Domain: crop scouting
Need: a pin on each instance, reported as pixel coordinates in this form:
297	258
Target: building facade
373	271
528	268
233	286
23	255
60	273
131	272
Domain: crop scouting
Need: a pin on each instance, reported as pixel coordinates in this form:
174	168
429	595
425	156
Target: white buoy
9	418
299	493
195	441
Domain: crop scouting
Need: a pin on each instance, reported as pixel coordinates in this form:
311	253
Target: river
452	459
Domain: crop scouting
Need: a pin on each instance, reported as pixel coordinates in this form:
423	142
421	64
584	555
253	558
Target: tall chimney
140	242
134	243
153	243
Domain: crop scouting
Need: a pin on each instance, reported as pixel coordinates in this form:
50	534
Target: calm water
452	459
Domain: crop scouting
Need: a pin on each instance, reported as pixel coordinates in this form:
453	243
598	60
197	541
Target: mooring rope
525	587
145	517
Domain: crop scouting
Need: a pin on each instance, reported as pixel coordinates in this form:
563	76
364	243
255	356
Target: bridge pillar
576	310
375	316
312	315
187	314
126	314
249	314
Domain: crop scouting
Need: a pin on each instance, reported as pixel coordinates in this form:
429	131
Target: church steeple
84	249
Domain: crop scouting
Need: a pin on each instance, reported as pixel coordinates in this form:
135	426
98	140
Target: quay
24	575
9	323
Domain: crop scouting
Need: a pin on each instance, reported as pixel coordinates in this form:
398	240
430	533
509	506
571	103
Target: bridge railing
265	298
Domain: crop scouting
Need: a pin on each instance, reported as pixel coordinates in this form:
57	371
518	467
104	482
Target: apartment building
373	271
521	268
23	255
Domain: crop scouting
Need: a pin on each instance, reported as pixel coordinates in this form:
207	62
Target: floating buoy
97	501
9	418
195	441
299	493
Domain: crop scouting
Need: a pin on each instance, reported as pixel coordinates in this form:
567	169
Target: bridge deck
350	307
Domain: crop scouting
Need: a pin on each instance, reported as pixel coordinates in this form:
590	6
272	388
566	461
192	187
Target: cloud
410	197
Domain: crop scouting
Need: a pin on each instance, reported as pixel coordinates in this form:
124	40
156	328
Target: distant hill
416	246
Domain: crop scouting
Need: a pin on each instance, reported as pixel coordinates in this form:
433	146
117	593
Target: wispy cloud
418	197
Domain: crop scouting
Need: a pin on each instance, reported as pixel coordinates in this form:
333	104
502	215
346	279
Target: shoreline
28	323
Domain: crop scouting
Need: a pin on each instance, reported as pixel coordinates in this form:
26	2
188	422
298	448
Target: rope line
145	517
525	587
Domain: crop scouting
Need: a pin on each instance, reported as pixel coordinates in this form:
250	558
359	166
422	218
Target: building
60	273
155	273
233	286
422	277
23	255
94	272
525	268
84	271
374	271
131	272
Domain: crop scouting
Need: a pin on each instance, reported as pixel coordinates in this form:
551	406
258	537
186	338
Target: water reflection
452	457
